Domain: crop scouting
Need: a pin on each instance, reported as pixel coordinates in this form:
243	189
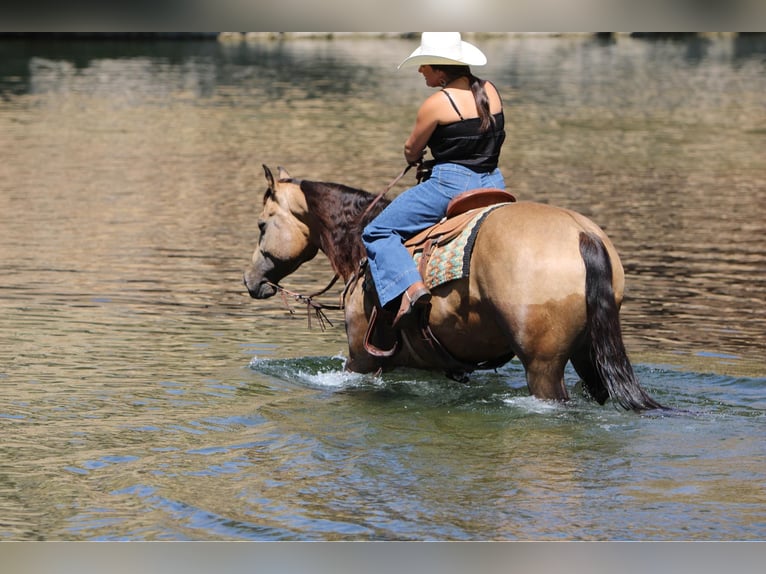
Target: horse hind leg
542	343
586	369
545	377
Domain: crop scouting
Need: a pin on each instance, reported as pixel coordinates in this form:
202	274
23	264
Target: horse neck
339	214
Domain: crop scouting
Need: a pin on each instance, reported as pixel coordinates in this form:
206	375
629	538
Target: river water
147	397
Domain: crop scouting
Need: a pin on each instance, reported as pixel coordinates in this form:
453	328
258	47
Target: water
146	397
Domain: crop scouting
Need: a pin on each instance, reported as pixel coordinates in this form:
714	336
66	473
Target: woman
463	126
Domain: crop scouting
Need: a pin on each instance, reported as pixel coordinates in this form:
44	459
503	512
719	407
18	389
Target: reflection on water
147	397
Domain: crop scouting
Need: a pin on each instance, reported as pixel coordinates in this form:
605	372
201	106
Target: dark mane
338	209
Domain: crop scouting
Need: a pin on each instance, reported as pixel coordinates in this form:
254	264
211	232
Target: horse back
534	249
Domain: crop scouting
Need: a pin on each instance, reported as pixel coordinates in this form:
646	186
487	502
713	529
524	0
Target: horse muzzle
260	289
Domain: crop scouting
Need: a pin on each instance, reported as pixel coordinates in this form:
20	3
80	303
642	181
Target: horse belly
465	325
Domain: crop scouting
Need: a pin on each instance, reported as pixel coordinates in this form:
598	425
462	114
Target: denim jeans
412	211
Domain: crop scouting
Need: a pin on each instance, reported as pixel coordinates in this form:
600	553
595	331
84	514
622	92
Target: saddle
461	212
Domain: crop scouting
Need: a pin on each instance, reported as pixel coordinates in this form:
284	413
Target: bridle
319	308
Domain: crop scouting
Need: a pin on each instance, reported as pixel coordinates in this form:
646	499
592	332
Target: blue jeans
412	211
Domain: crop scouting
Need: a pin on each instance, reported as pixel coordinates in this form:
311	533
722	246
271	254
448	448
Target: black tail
608	355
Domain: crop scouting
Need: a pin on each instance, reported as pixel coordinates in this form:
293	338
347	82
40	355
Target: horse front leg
356	322
359	360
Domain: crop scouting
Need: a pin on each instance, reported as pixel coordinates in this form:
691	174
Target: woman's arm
425	124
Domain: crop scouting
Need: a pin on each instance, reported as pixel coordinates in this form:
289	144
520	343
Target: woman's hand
418	157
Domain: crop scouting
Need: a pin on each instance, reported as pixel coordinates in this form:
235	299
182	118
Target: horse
545	284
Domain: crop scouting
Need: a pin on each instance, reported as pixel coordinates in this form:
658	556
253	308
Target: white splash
532	404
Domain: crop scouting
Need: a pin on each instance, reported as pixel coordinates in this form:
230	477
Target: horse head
285	241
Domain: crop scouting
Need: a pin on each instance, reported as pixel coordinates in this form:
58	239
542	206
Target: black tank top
462	143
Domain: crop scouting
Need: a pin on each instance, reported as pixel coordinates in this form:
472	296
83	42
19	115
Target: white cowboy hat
445	48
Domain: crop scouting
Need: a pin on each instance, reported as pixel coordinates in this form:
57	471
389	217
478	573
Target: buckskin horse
543	284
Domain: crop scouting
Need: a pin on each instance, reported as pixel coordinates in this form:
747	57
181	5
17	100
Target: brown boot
416	294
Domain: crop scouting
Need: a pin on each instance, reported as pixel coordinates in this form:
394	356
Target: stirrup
370	347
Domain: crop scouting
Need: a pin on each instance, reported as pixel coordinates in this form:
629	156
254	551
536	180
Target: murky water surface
146	397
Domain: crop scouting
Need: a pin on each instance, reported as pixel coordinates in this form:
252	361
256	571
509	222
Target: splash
314	372
531	404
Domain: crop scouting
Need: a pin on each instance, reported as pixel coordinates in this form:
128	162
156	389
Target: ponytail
482	102
477	89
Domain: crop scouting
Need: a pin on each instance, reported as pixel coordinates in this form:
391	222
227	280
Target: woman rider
463	126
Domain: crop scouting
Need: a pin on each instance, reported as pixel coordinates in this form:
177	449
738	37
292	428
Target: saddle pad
452	260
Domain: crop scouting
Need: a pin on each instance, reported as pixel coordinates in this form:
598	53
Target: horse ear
283	173
269	176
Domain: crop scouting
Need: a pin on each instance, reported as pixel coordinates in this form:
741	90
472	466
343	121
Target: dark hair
453	72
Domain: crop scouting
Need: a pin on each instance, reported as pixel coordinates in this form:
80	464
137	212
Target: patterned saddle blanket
443	252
